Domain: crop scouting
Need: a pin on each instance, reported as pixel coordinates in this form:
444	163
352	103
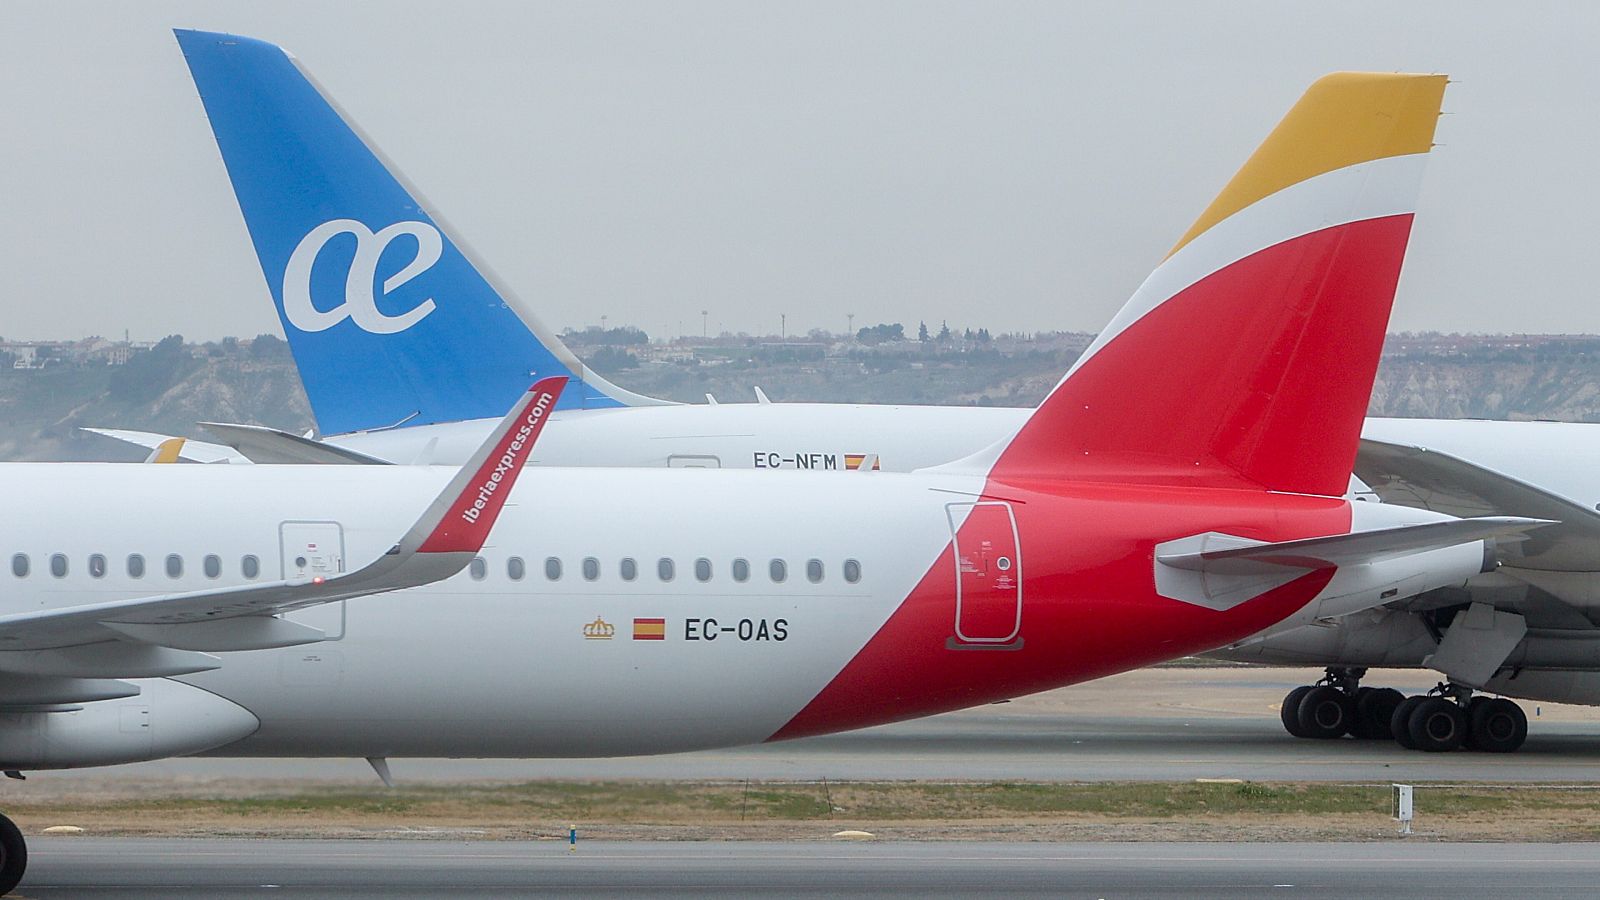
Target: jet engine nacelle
167	718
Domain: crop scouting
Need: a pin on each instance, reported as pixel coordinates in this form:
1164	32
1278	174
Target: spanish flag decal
649	629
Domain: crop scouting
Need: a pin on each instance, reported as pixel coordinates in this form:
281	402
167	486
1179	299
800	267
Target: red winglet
494	469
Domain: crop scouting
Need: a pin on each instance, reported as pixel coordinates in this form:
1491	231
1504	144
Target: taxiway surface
134	869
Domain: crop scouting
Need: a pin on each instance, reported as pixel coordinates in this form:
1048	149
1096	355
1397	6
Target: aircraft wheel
1437	725
1469	741
1374	711
1400	722
1497	726
1289	712
13	855
1326	712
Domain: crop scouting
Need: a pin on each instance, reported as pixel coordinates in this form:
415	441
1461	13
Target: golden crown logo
599	630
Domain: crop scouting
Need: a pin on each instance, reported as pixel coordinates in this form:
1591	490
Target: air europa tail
390	317
1248	356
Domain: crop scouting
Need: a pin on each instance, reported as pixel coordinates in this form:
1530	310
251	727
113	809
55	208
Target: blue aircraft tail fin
391	318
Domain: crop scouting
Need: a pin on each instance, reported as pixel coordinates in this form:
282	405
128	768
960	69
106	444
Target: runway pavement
133	869
1159	725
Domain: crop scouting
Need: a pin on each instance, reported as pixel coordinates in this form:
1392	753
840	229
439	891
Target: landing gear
1436	725
1400	722
1450	718
13	855
1496	726
1327	709
1447	718
1289	712
1375	711
1326	712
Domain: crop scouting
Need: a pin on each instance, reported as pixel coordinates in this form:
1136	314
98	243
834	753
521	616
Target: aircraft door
988	561
314	548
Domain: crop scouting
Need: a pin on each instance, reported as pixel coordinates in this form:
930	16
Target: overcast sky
1017	166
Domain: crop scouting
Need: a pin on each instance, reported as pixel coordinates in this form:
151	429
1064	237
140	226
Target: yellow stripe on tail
1343	119
168	451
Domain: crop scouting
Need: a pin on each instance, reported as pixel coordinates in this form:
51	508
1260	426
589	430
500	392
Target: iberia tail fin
1248	356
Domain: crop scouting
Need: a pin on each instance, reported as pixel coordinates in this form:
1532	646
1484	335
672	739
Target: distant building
90	351
24	356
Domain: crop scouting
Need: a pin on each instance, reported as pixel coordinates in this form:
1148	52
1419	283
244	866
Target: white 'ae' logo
359	303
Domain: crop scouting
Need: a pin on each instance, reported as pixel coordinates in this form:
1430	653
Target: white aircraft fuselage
606	665
821	437
824	437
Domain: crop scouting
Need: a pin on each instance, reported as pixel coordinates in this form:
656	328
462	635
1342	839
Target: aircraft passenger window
19	565
478	569
174	565
591	568
97	565
629	569
665	569
58	565
852	571
779	570
552	569
515	568
702	569
741	570
250	566
135	566
814	571
212	565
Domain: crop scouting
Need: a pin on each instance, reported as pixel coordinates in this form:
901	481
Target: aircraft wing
437	546
191	450
269	445
1429	479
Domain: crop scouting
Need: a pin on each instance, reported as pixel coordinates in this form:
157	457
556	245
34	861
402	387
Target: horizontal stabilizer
261	444
1245	557
191	450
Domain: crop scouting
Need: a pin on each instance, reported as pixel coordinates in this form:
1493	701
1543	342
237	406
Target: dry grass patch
769	810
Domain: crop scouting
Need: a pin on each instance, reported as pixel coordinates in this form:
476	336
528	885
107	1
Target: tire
1438	725
1400	722
1361	692
1289	712
1497	726
1375	711
13	855
1326	713
1468	743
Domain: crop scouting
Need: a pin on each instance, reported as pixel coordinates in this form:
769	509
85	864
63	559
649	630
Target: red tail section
1258	373
1247	358
1245	361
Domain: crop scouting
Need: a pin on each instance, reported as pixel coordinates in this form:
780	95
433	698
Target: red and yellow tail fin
1248	356
1343	120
